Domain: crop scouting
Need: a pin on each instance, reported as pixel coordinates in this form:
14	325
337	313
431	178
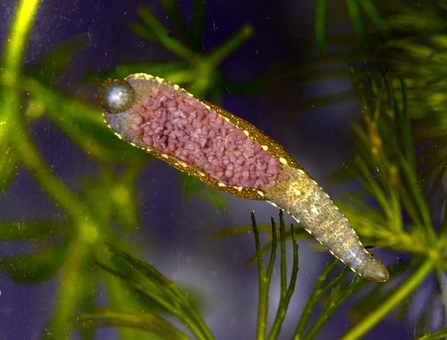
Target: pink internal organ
184	128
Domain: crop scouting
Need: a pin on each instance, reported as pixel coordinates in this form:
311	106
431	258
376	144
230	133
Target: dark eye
116	95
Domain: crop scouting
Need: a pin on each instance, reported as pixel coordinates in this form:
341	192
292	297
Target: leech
231	155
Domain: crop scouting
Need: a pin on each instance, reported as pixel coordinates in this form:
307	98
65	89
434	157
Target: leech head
375	271
116	95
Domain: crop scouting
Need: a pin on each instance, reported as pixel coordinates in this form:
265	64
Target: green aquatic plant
70	244
195	69
400	110
405	145
152	285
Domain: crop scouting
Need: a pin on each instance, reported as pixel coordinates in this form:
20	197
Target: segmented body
229	154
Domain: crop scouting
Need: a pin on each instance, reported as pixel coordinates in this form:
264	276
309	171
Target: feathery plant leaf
149	282
91	205
126	317
152	284
386	166
407	37
198	71
338	293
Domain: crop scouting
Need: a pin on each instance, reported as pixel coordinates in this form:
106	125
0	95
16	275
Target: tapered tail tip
375	271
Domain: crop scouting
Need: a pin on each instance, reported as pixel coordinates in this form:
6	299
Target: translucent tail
306	202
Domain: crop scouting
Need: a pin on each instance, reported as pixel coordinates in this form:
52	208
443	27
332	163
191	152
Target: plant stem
197	24
264	278
286	296
282	234
15	46
162	34
49	182
320	25
12	65
335	300
401	292
313	300
73	285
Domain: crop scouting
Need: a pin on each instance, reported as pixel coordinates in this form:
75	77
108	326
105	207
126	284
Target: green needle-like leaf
126	317
439	335
161	290
32	231
35	266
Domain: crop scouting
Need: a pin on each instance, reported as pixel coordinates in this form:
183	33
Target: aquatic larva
229	154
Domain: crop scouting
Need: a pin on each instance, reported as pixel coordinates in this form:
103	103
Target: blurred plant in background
400	164
401	144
